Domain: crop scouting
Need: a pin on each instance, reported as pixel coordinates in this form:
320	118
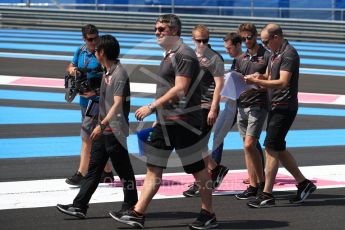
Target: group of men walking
190	85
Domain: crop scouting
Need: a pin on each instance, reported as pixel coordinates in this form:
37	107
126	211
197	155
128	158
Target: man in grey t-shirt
109	138
212	70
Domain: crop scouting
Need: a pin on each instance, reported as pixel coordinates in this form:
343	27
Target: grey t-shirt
180	61
246	64
288	60
212	65
115	83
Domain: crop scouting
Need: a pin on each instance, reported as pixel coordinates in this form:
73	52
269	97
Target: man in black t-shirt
177	107
252	109
281	78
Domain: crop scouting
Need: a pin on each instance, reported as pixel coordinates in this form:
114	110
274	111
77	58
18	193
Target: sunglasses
250	37
265	42
201	40
160	29
91	39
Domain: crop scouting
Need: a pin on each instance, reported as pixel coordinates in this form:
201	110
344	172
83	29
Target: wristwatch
152	109
103	126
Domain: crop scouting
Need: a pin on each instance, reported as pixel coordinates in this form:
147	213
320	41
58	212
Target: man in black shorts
179	118
281	78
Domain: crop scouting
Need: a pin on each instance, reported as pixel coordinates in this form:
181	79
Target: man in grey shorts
252	108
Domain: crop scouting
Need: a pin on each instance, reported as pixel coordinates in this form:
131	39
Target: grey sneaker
205	220
129	217
304	189
72	211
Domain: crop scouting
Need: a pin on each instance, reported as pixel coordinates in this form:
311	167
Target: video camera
81	84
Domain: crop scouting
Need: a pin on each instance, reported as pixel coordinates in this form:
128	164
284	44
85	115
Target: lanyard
86	61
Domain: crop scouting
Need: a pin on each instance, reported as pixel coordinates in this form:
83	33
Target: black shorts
185	141
278	125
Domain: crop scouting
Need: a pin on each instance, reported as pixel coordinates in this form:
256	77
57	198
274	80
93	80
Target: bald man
281	78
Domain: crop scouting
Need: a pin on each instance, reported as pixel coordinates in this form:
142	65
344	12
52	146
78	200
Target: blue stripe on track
16	115
55	97
21	115
70	146
151	43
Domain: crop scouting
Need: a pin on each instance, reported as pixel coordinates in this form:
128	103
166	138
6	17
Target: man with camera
85	73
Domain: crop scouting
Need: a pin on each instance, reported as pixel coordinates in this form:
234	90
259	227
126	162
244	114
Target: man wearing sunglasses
252	109
84	58
281	78
212	68
177	107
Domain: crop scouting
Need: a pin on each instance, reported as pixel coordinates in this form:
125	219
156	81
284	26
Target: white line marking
46	193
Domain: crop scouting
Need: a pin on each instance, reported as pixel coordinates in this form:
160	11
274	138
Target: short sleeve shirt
212	65
180	61
83	58
115	83
247	64
285	60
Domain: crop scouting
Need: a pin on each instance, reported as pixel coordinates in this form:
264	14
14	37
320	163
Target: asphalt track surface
324	210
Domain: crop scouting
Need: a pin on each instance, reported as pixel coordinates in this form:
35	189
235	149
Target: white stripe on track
47	193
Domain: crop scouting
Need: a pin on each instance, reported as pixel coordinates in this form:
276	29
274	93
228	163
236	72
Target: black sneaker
192	191
304	189
218	174
107	177
77	179
265	200
205	220
248	193
129	217
261	187
72	211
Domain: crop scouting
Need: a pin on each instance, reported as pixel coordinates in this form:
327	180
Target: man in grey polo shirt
109	138
281	78
252	108
179	118
212	69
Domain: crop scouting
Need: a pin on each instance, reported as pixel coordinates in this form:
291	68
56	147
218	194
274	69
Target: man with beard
252	109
